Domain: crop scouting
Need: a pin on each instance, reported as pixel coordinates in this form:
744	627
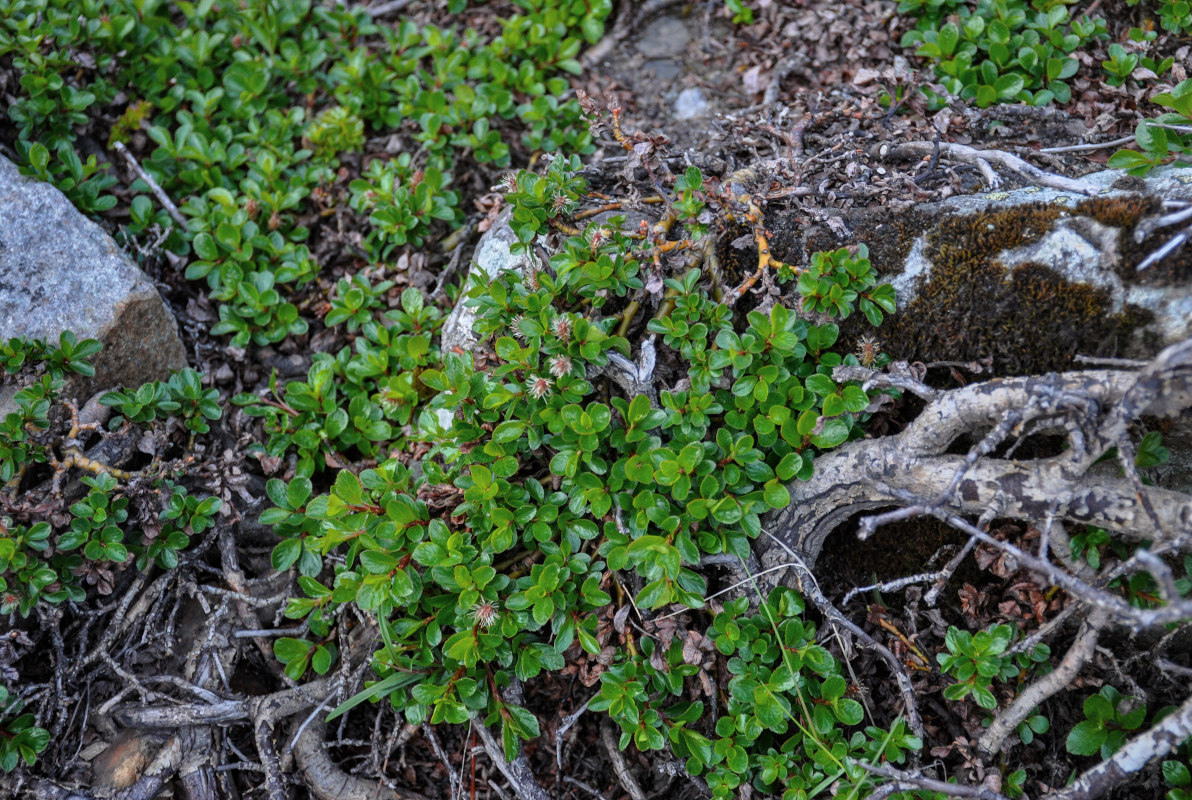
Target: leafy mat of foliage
566	503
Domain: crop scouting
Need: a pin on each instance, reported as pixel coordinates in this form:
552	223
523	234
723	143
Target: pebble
665	37
691	103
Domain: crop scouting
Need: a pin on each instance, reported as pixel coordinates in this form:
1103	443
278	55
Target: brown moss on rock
1124	212
1029	319
983	235
1119	211
890	237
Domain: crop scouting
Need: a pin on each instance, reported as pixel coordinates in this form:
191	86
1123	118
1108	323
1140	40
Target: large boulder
60	271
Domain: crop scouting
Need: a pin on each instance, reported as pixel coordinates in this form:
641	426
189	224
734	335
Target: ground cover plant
543	541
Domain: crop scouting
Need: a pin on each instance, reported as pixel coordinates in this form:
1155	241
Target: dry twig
154	186
983	159
608	738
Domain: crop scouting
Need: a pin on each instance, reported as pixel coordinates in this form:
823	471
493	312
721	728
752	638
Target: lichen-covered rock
60	271
1034	276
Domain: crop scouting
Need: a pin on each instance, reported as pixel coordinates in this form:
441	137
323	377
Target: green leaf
1098	708
1129	160
347	488
285	553
39	156
297	491
849	711
855	400
1176	773
833	405
820	384
834	432
524	721
1151	138
272	516
205	247
833	687
1008	86
508	431
806	424
287	649
378	563
789	466
776	495
1085	739
949	37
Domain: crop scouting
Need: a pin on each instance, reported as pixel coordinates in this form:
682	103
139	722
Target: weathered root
326	781
1093	408
914	473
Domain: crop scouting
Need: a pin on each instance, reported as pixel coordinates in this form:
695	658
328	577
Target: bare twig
298	631
381	9
1058	621
1096	409
327	781
1118	363
452	775
1008	720
899	377
1171	666
778	74
982	159
1080	148
811	590
584	786
679	769
275	787
947	572
154	186
456	259
622	27
1114	605
517	772
270	707
629	783
1170	246
564	726
907	781
890	586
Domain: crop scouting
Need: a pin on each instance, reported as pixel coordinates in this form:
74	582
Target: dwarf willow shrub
249	107
54	559
1001	51
20	739
543	494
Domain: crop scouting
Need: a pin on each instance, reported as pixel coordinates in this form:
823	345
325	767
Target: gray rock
493	256
665	37
691	103
1080	249
60	271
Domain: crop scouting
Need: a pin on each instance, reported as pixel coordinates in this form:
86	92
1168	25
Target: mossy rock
1032	277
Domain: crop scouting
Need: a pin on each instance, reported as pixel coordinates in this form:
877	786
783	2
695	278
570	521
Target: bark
327	781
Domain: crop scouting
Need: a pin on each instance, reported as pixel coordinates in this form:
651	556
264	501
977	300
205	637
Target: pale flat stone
665	37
